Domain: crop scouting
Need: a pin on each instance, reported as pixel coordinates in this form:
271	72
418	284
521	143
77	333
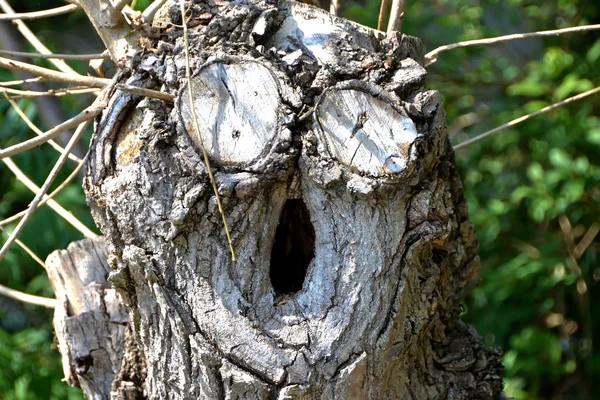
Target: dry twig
85	115
396	16
432	56
197	128
27	250
28	94
21	81
48	198
151	10
39	14
49	179
35	42
55	76
27	298
37	130
334	7
139	91
383	14
526	118
81	57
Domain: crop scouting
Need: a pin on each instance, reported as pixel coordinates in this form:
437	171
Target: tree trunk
351	233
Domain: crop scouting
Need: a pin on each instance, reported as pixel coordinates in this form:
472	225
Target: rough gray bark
338	183
91	324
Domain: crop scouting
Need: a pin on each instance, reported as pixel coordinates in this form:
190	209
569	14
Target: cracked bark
338	183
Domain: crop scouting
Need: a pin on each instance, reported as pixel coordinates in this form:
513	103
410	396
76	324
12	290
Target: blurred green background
533	191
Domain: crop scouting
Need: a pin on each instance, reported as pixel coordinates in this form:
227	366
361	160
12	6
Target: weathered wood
364	132
92	325
239	109
347	215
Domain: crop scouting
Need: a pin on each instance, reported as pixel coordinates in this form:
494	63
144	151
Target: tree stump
92	328
332	161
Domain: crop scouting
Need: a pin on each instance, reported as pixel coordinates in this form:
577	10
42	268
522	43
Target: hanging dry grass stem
197	128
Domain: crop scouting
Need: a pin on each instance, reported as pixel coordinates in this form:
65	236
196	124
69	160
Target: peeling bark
338	183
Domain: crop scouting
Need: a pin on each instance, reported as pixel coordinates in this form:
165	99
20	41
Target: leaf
529	88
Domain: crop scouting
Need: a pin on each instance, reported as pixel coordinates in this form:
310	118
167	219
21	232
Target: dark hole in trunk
293	248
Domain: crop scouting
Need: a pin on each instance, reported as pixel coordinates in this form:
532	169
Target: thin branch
39	14
27	250
139	91
35	42
383	14
85	115
21	81
395	24
52	75
49	179
586	241
80	57
197	127
119	5
28	94
48	198
149	12
334	7
527	117
432	56
27	298
37	130
120	38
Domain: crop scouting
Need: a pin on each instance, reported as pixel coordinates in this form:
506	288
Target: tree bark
351	232
92	328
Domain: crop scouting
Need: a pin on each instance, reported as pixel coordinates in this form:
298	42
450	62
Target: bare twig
21	81
52	75
155	94
383	14
37	130
334	7
526	117
432	56
35	42
197	128
49	179
48	198
395	24
27	298
39	14
586	241
85	115
151	10
28	94
27	250
82	57
32	94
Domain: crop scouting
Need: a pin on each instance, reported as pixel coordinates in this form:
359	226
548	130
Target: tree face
346	214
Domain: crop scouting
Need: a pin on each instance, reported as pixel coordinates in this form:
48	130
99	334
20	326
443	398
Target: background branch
432	56
39	14
81	57
48	198
27	298
37	130
396	16
526	118
35	42
38	197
